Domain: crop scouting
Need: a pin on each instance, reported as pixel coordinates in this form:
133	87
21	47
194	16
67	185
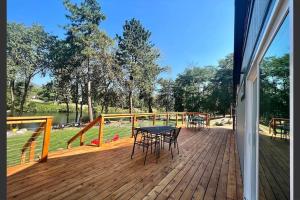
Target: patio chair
145	139
172	139
285	130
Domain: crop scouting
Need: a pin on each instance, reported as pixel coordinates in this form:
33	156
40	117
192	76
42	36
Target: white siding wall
240	128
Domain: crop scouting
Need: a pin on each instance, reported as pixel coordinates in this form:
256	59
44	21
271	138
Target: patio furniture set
155	137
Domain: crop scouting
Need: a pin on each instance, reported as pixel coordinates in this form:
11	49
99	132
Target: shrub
219	124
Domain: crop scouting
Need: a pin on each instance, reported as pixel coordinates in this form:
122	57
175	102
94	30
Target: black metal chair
171	138
145	139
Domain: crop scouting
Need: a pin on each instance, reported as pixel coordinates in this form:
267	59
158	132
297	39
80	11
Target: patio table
158	131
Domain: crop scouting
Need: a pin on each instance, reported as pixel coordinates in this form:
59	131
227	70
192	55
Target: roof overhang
241	13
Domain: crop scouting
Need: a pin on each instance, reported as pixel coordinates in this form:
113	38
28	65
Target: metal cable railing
27	143
112	127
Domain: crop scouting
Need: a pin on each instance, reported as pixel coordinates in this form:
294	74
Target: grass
59	138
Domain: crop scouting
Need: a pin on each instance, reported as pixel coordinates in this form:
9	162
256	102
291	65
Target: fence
112	127
28	138
28	144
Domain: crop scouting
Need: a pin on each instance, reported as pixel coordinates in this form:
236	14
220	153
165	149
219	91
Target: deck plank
108	172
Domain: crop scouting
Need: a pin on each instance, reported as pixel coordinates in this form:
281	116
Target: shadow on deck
207	167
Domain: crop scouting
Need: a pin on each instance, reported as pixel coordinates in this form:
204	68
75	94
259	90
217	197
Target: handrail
100	119
82	131
46	124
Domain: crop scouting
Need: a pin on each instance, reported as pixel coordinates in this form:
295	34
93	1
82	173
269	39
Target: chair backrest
176	132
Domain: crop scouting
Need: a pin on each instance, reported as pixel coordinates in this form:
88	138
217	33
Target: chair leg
132	150
146	155
172	153
170	146
157	151
177	147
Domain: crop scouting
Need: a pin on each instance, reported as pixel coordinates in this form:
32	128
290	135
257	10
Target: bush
219	124
228	121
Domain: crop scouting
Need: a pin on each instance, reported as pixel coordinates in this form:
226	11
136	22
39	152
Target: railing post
31	151
23	158
82	138
207	120
46	141
133	124
101	126
154	118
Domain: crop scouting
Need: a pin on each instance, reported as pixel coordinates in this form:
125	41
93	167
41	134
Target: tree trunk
76	111
102	108
90	108
24	96
130	102
76	103
80	115
12	96
150	105
106	109
68	111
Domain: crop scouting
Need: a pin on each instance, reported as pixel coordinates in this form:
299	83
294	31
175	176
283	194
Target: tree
83	31
27	55
47	92
192	88
222	82
274	87
137	58
150	72
165	97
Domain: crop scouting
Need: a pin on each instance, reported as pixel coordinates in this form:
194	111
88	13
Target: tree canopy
87	67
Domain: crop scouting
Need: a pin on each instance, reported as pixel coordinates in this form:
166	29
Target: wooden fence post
101	126
133	124
82	138
46	141
154	118
207	120
31	151
23	158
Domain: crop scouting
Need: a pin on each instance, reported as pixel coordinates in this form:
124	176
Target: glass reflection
274	126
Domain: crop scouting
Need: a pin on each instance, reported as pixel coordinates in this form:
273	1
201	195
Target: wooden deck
207	167
274	168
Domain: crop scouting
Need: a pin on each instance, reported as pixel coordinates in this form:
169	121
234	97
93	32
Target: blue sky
281	42
198	32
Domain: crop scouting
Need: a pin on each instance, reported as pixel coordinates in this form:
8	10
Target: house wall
256	25
259	36
240	128
259	13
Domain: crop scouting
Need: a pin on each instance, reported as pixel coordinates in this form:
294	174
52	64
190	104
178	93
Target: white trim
278	14
249	131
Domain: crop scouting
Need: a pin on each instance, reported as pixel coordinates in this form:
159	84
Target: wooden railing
274	122
133	118
45	127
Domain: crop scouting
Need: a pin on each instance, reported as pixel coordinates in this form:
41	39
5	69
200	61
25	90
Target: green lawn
59	138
